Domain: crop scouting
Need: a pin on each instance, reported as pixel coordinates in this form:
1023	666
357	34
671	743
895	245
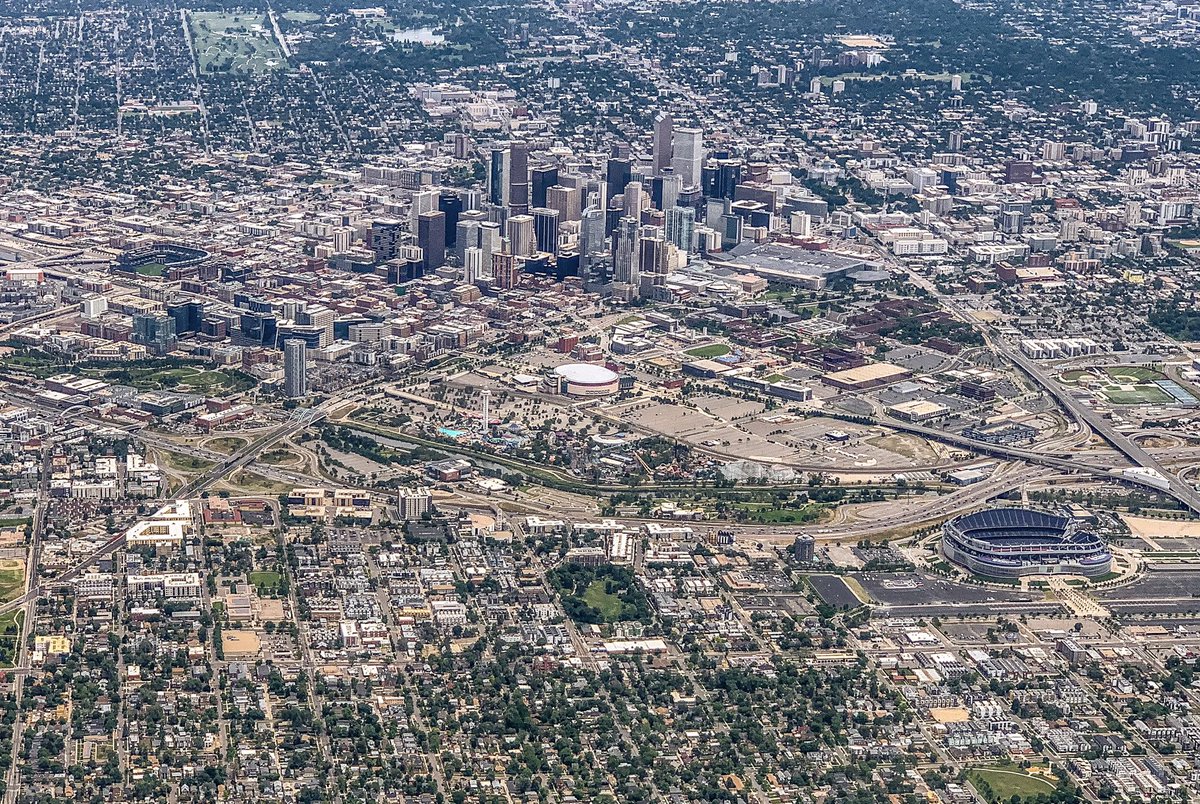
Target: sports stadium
1014	542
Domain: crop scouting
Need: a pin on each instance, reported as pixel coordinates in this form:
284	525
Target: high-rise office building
473	265
625	251
681	222
671	187
633	196
425	200
542	178
466	236
491	236
295	368
591	232
387	235
687	155
518	178
565	200
652	260
521	236
660	145
431	237
450	204
499	169
545	229
187	315
618	174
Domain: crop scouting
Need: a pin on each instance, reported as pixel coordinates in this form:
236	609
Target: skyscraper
591	232
625	252
295	367
498	176
386	238
660	144
504	270
565	200
671	185
542	179
617	175
521	236
518	178
431	237
633	200
155	331
425	200
545	229
681	221
490	239
451	204
688	155
472	265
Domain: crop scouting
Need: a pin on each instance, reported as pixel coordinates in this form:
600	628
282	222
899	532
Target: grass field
186	463
1137	395
710	351
767	513
234	43
598	597
12	579
1000	785
226	444
182	379
1134	374
278	456
301	16
257	484
152	269
264	581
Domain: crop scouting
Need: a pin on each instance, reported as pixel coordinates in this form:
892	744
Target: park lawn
812	512
10	636
598	597
1004	784
710	351
183	379
234	43
264	579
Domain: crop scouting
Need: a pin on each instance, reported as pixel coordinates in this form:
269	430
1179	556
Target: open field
264	581
186	463
182	379
598	597
998	784
234	43
712	350
12	578
226	444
